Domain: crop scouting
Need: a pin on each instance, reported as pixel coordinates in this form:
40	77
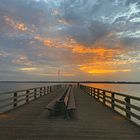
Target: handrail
121	94
116	101
12	99
23	90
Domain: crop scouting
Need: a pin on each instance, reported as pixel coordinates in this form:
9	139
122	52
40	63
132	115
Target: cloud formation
81	38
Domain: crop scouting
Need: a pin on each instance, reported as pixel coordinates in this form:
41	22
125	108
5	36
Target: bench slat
71	104
66	98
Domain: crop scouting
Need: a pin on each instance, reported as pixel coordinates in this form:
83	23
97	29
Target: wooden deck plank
92	121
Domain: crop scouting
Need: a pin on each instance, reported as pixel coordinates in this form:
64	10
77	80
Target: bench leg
67	116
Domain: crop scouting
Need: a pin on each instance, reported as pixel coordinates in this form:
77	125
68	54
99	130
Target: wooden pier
92	121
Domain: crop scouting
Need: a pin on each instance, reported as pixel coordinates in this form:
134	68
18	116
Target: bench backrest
71	103
66	98
52	104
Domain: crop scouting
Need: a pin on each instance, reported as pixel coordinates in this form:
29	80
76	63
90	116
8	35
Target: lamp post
59	74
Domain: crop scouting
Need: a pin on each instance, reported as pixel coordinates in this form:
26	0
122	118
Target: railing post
94	92
44	90
27	96
47	89
35	91
50	89
104	97
112	100
91	91
98	93
127	99
15	99
40	91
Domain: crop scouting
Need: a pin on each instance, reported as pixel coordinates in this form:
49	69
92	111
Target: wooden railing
13	99
128	106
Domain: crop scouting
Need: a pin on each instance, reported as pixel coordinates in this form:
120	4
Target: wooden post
40	91
94	92
15	99
112	100
35	91
27	96
98	91
104	97
127	99
50	89
91	91
44	90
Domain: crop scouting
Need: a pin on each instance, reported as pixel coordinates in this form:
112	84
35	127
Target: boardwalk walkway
92	121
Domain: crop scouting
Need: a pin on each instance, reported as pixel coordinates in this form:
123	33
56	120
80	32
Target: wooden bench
52	106
69	101
64	100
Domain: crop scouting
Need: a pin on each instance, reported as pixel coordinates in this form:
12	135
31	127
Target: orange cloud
98	58
94	70
16	25
50	43
98	51
99	48
21	27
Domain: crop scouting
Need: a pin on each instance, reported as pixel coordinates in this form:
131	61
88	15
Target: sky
70	40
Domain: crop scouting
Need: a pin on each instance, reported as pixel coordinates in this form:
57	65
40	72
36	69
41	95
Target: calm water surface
4	87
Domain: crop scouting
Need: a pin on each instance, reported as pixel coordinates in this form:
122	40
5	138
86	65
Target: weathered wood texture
93	121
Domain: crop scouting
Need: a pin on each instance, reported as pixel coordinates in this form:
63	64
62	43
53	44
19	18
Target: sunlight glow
91	70
28	69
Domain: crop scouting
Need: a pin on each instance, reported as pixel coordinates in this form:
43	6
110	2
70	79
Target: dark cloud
29	30
131	42
89	34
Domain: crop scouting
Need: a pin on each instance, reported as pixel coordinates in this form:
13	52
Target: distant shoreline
100	82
